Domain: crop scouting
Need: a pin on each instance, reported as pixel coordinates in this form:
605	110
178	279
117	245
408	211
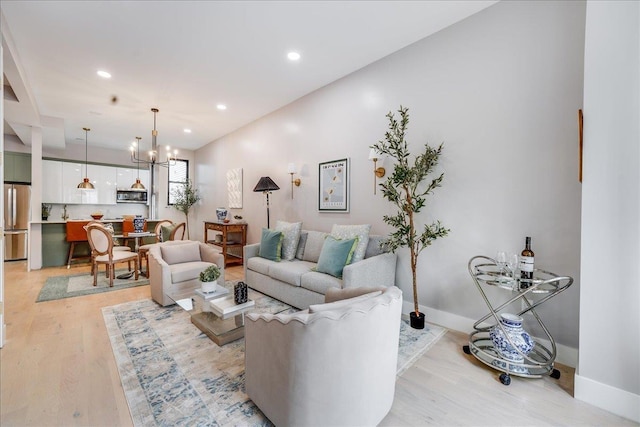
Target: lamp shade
266	184
291	168
374	154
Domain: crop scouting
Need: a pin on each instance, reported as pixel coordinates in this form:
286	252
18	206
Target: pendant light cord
86	151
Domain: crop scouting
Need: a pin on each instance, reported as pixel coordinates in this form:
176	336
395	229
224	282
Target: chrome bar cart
529	294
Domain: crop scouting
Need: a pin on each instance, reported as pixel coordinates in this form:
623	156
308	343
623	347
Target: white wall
609	367
502	90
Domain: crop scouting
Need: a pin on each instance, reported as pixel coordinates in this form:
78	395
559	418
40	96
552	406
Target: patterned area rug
172	374
58	287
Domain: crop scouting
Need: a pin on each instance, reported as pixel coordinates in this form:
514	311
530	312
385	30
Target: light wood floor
57	368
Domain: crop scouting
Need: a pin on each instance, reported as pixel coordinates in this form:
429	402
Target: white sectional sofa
296	283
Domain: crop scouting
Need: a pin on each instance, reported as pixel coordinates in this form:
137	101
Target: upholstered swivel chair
101	242
176	266
332	365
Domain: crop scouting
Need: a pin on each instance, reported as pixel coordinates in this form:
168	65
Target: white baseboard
564	354
619	402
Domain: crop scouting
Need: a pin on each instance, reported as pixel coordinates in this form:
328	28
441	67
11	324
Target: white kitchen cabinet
52	181
103	179
72	175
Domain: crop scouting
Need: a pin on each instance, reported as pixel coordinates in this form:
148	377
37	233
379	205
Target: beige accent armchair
175	266
332	365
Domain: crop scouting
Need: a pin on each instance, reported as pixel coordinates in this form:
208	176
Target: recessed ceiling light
104	74
221	107
187	131
293	56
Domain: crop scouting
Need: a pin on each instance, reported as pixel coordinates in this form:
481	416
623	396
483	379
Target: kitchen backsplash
109	211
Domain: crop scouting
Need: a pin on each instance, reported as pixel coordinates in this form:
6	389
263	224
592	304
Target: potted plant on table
184	198
209	278
407	189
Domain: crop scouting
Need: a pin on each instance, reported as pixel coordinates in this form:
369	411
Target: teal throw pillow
335	254
271	244
165	232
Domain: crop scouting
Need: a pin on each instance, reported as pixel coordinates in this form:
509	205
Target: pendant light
138	185
86	184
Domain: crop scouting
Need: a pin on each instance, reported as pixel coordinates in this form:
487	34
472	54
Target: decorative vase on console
516	335
209	278
138	224
221	214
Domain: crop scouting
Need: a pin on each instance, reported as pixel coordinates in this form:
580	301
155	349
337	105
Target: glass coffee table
216	314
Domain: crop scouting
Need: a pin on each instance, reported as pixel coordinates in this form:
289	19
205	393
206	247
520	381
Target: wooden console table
232	236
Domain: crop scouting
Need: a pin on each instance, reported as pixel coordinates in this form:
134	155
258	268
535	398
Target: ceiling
187	57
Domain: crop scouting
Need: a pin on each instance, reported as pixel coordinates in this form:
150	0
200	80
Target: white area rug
173	374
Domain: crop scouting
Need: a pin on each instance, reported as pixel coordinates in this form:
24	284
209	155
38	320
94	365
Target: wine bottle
526	264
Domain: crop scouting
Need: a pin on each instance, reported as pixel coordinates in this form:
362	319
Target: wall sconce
377	171
291	170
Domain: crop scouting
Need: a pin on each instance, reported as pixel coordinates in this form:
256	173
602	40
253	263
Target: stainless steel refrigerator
17	212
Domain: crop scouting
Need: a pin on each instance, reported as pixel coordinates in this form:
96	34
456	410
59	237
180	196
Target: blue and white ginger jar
517	336
138	224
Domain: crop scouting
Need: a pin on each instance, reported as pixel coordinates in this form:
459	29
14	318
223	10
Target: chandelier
153	159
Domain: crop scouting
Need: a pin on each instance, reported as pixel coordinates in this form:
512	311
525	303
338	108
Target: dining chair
143	251
178	232
101	242
116	247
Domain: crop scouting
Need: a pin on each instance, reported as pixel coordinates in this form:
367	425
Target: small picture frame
333	186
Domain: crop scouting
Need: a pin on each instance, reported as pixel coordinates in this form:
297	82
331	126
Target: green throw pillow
165	232
335	254
270	244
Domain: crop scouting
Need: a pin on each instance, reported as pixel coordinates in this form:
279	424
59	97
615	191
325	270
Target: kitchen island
55	247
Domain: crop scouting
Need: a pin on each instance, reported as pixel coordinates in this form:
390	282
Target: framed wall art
333	183
234	188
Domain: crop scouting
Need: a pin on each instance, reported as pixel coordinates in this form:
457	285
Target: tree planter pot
417	320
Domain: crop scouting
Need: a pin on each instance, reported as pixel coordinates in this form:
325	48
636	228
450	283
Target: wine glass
512	264
501	261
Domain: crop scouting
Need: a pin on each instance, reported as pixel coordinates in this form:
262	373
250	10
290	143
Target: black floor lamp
266	185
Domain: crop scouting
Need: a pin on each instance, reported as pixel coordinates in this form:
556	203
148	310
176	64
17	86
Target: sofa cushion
302	242
351	231
335	254
176	254
337	294
336	305
313	247
187	270
290	272
259	265
373	247
271	244
291	233
319	282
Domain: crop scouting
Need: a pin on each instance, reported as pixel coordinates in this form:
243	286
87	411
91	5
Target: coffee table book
227	307
220	291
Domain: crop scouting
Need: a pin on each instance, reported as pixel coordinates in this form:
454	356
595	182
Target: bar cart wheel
466	349
555	374
505	378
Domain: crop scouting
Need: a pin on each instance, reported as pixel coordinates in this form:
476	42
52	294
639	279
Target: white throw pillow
291	232
351	231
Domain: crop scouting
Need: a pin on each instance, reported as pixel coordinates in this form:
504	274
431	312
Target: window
178	176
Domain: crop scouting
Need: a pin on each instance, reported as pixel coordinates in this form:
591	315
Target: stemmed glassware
501	261
512	264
